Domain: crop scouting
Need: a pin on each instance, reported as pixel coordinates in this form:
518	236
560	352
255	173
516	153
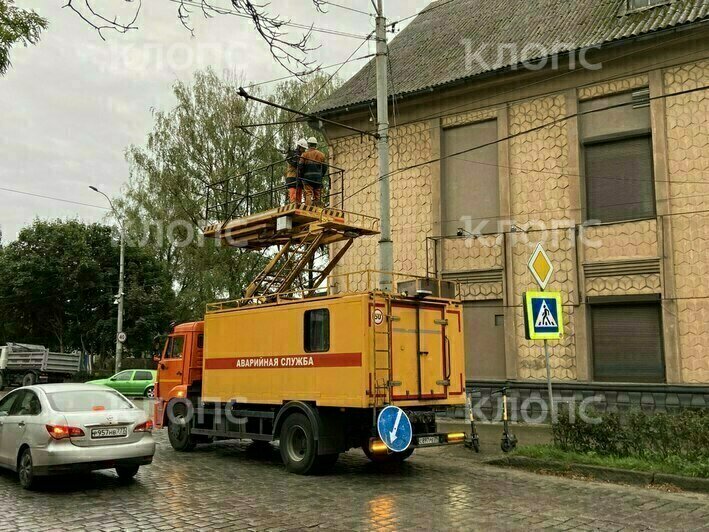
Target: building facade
599	151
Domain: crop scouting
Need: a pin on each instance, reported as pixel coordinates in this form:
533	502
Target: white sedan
63	428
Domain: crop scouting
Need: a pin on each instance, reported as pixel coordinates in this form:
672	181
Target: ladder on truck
297	233
382	356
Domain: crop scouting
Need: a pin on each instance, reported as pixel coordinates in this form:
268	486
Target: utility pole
121	275
386	246
120	337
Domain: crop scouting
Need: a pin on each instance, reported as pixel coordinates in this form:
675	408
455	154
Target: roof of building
431	51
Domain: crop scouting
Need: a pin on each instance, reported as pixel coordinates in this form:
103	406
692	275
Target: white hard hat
313	140
302	143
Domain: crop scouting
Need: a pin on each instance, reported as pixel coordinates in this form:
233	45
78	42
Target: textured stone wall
411	198
629	240
612	87
688	160
539	183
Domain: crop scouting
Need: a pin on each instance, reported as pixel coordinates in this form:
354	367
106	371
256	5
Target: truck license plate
118	432
428	440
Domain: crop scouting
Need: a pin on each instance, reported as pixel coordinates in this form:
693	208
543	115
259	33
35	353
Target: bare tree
290	52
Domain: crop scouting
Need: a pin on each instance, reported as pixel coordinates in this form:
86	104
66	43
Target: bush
664	437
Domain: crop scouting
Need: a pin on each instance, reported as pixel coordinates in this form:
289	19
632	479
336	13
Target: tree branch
100	22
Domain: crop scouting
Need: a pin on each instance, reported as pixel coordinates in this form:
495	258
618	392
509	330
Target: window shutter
619	180
627	343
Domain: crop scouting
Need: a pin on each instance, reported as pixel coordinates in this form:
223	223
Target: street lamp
120	336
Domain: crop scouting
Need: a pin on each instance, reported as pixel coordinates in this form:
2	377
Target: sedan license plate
429	440
117	432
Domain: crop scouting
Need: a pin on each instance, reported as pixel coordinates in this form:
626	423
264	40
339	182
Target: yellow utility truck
312	368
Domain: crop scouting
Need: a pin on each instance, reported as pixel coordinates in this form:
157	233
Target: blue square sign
543	316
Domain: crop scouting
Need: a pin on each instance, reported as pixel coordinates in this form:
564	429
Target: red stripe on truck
319	360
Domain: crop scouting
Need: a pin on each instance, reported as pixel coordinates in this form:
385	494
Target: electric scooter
509	441
473	441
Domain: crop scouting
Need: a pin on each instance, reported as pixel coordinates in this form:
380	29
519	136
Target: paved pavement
233	486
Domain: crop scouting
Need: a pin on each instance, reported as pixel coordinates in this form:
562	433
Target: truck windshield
88	401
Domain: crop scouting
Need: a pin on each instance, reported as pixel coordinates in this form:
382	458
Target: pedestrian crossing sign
543	316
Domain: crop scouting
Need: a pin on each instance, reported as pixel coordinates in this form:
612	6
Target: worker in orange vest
312	170
295	186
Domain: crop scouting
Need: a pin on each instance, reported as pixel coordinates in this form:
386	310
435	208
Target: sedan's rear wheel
25	470
127	472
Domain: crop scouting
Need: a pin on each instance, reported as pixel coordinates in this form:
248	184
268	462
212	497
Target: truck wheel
387	458
179	430
299	450
30	379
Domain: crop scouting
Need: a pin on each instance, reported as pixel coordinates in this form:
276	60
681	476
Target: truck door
171	366
432	352
418	361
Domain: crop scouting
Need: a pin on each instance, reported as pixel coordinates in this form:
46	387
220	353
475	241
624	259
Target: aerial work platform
284	224
298	231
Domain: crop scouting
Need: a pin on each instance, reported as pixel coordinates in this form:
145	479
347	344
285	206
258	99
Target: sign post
543	313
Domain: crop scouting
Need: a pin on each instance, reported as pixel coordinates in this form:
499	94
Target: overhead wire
44	196
228	11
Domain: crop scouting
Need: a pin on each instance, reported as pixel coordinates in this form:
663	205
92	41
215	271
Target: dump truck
27	364
312	368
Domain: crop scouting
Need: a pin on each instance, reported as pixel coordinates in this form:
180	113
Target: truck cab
179	365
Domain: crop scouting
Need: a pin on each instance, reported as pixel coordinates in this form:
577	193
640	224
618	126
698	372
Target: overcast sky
71	105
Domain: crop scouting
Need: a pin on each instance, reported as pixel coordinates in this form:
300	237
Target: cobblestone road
233	486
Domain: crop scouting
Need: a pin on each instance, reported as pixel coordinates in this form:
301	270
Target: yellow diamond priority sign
541	267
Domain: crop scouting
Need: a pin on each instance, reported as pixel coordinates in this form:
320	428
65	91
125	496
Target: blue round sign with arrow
395	429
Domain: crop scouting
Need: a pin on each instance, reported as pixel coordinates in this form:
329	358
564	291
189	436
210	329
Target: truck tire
299	448
29	379
179	430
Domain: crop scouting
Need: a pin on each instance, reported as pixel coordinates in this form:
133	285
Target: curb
609	474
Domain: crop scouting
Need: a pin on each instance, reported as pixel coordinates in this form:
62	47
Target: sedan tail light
60	432
144	427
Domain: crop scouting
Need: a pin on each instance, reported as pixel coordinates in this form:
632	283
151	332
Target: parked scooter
509	440
472	441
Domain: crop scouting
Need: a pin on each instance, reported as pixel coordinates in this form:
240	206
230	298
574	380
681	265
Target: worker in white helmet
312	170
295	186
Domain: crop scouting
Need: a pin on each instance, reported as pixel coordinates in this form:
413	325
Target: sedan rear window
88	401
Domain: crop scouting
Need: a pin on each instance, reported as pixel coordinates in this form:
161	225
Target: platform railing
263	189
358	282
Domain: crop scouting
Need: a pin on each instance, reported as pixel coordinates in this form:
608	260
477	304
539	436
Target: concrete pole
121	274
386	246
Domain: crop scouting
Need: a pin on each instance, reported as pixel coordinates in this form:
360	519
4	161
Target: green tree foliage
58	282
17	26
200	141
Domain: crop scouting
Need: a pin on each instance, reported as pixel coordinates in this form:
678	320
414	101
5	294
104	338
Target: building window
617	147
619	179
470	190
627	342
317	331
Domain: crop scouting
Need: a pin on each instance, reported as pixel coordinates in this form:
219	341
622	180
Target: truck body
27	364
326	365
